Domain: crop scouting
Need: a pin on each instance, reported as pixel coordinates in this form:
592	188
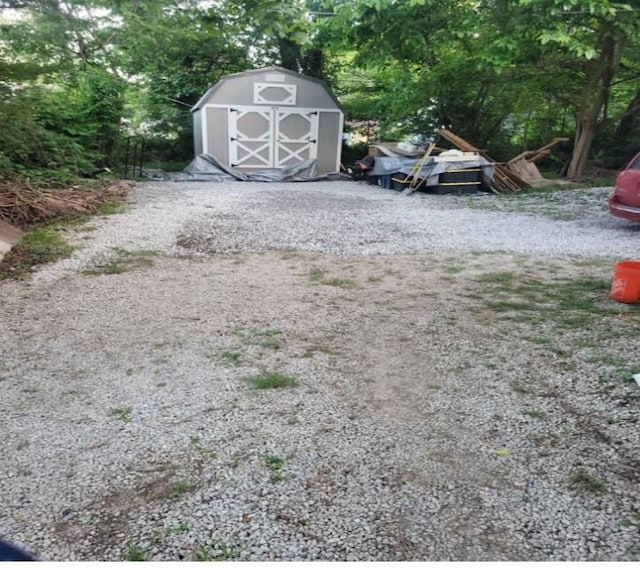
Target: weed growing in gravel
496	277
111	208
197	443
319	276
42	245
124	261
136	553
316	274
621	373
537	414
345	283
275	464
179	488
586	482
273	380
182	527
215	552
267	338
123	413
519	388
271	344
232	357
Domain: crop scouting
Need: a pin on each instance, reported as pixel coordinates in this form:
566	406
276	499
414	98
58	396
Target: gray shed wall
329	133
197	132
218	133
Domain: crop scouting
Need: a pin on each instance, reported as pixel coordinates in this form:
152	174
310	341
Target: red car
625	200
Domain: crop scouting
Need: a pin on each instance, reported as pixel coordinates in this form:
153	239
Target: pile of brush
23	204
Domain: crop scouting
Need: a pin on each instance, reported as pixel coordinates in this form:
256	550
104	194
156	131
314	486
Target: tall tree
591	38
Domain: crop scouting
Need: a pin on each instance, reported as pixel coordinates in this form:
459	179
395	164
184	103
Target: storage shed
269	118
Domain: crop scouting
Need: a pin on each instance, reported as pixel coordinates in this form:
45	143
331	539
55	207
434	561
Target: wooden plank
415	184
503	178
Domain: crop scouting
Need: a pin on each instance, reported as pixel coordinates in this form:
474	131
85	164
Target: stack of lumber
524	164
504	179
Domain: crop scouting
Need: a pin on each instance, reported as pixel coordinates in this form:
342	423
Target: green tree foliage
79	76
62	104
506	74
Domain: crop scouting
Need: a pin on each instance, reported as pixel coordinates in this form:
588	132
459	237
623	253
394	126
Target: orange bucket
626	282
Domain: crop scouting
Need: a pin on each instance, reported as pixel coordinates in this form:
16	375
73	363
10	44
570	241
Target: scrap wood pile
22	204
504	179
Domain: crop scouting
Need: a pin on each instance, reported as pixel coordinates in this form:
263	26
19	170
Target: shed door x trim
271	137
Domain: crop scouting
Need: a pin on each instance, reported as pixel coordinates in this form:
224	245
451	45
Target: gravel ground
429	422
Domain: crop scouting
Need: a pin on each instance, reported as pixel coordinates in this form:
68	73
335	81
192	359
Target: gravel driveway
458	384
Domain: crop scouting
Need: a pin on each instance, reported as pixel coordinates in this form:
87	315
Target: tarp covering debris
207	168
432	168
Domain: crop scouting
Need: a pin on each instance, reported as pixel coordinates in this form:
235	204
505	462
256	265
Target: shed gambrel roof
271	68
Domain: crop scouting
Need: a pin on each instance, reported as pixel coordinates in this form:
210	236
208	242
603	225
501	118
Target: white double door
271	137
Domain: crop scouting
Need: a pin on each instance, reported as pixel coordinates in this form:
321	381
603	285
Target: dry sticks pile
22	204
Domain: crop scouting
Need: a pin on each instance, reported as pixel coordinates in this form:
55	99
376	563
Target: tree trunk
595	95
585	133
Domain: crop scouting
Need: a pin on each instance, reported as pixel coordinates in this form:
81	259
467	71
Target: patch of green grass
197	443
250	334
182	527
273	462
608	360
496	277
216	553
588	483
274	344
519	388
232	357
179	488
240	332
567	303
111	208
124	261
316	274
319	276
273	380
537	414
346	283
267	338
123	413
40	245
136	553
620	373
269	332
509	306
